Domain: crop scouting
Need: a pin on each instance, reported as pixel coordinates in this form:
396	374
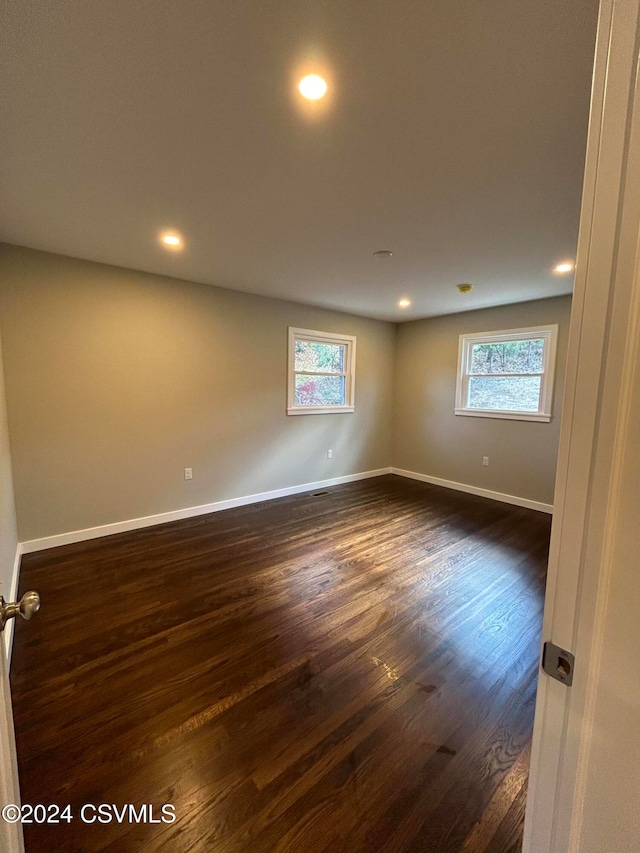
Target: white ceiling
453	134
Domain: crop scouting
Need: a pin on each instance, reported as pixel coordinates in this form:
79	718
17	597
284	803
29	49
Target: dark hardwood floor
349	672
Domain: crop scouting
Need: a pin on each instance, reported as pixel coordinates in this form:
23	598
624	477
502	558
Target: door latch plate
558	663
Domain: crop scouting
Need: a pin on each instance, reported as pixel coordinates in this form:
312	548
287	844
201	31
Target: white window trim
349	343
467	342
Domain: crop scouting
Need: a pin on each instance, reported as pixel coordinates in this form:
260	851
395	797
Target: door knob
26	607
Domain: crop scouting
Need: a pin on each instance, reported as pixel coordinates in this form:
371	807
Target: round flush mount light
564	268
171	240
383	255
465	288
404	303
312	87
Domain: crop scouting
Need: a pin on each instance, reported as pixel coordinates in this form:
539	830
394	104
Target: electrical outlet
485	461
188	473
329	454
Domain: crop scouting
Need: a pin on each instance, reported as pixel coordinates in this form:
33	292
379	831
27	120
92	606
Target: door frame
605	326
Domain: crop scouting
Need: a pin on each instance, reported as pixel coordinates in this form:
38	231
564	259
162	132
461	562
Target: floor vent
319	494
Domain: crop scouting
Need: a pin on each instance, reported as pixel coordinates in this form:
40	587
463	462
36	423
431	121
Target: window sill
321	410
542	417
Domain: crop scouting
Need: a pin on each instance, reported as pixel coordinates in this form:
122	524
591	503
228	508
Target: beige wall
8	530
118	380
430	439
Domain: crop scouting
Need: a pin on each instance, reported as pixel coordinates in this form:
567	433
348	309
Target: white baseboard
12	595
475	490
32	545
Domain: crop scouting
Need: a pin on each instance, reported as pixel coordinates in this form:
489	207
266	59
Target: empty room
294	309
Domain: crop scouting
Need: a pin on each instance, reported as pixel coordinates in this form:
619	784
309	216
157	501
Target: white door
10	833
584	778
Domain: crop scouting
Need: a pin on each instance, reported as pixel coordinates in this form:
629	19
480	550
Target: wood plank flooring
350	672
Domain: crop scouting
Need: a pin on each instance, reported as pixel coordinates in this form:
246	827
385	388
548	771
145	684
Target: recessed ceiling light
465	288
564	267
312	87
404	303
383	255
171	240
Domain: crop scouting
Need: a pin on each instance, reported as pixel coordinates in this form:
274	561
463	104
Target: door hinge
558	663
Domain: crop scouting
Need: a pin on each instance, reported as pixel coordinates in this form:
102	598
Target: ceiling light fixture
465	288
404	303
312	87
565	267
383	255
171	240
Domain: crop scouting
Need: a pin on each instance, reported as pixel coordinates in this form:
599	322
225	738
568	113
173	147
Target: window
321	372
507	374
